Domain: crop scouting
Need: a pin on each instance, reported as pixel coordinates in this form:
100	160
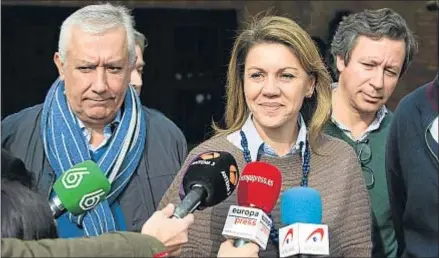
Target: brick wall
314	16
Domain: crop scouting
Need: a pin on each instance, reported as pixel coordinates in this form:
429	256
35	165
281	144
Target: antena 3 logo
90	200
316	236
288	237
227	182
73	177
232	179
207	159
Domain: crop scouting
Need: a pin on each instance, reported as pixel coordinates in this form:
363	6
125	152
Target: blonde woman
274	72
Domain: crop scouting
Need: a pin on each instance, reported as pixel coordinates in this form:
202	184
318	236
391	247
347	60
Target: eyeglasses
364	154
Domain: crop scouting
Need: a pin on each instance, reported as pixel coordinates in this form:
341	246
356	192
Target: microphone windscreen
301	205
181	191
217	172
82	187
259	186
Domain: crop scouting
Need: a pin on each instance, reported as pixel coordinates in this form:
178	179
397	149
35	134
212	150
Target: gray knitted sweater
335	173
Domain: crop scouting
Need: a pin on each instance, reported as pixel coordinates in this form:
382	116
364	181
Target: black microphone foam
216	172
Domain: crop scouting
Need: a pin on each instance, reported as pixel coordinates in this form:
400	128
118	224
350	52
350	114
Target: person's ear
340	64
59	65
311	87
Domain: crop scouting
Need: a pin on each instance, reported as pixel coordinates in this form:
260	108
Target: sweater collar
255	142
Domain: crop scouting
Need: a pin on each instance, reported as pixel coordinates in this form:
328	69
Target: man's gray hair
373	24
97	19
140	40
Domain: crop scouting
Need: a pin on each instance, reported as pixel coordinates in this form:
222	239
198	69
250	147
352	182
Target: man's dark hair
13	169
25	213
374	24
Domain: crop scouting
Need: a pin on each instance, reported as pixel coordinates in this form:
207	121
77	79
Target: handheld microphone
258	191
209	179
301	211
79	189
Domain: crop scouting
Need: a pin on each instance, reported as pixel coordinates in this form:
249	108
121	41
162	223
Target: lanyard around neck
274	234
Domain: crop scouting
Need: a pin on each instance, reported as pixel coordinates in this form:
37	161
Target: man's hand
228	250
172	232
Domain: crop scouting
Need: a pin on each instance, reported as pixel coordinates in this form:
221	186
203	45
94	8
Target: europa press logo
73	177
316	236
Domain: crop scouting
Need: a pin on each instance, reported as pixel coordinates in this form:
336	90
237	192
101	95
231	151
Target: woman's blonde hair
276	29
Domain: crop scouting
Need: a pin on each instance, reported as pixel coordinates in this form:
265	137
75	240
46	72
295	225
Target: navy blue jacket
412	172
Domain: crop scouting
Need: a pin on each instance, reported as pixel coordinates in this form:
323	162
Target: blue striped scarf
65	146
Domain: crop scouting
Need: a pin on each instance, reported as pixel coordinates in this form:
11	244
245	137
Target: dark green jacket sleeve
118	244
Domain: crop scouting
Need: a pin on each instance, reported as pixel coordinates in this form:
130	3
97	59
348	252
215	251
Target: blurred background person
136	74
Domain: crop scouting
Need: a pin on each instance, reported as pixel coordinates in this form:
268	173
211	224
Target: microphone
209	179
79	189
301	211
258	191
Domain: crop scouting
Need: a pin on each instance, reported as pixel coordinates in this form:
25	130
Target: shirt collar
115	121
108	131
255	141
379	117
376	123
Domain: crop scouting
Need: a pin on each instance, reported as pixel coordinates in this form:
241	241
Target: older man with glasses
372	50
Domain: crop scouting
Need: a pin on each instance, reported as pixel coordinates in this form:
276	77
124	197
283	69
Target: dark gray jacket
164	153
